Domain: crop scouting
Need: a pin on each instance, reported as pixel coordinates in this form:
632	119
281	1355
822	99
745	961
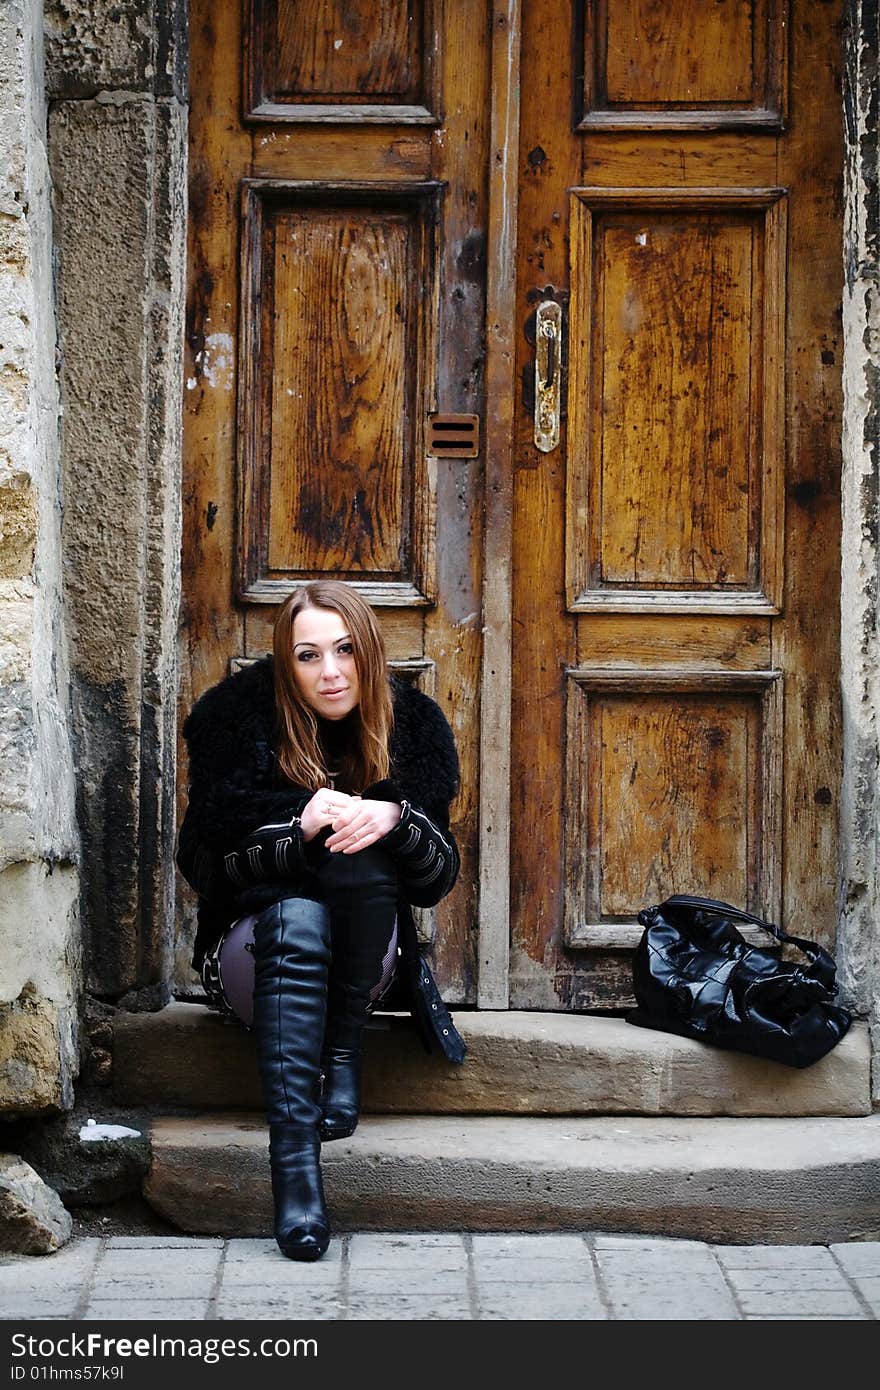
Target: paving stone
775	1256
869	1288
244	1250
30	1273
38	1286
280	1304
164	1242
804	1317
417	1276
407	1281
785	1282
546	1304
673	1305
663	1285
379	1251
154	1286
414	1268
645	1257
403	1309
77	1256
366	1239
20	1307
535	1273
858	1256
531	1247
280	1272
802	1303
663	1244
159	1310
166	1263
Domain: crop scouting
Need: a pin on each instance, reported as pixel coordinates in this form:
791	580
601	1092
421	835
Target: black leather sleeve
271	852
426	857
236	822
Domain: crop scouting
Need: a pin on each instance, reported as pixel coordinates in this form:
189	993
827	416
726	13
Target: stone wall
117	141
39	883
859	937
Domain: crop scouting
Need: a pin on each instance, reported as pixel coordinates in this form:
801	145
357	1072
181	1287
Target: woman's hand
323	809
362	823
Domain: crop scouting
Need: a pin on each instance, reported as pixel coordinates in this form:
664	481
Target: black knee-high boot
291	960
361	892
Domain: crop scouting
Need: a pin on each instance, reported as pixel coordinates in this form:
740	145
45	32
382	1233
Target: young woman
318	815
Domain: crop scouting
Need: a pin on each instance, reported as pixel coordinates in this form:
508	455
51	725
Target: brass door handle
548	348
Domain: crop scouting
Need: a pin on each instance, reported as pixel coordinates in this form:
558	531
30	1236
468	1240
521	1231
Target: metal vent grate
454	436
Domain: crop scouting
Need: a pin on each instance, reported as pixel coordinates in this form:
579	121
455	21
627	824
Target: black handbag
696	975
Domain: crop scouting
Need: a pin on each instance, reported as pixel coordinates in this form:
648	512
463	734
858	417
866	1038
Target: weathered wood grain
672	777
544	637
660	52
351	61
501	336
337	391
676	464
350	48
453	627
680	63
712	643
807	638
347	340
210	626
352	154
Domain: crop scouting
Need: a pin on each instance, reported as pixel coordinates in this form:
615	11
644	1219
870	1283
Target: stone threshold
518	1063
744	1181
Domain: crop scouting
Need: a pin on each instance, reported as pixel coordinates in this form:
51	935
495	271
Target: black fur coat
235	786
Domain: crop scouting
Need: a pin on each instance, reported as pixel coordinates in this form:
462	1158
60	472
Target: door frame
493	990
494	878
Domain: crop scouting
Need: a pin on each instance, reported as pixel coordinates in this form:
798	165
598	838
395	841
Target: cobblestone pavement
449	1276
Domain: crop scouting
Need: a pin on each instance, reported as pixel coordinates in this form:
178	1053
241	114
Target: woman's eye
306	656
345	649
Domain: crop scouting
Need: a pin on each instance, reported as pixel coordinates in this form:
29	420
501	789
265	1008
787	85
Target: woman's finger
345	818
361	840
352	833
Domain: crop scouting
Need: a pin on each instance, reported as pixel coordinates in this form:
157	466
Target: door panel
338	320
676	63
675	677
675	454
338	189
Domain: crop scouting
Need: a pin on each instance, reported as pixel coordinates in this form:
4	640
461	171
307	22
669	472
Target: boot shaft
291	963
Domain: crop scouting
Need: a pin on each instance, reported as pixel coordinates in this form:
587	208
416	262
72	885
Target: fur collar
230	734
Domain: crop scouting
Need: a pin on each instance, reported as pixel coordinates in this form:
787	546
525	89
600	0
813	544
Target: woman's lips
332	694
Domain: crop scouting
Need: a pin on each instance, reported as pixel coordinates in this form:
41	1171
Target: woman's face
323	663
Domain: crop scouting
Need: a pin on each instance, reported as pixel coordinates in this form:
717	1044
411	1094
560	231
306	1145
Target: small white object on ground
91	1131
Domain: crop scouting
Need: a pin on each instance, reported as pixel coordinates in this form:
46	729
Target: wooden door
335	321
676	554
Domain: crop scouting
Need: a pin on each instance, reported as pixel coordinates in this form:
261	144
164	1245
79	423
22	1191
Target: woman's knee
291	923
369	870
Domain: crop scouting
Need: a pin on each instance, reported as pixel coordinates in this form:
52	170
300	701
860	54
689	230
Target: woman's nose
330	665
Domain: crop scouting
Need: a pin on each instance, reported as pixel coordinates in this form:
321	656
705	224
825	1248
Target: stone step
518	1063
787	1181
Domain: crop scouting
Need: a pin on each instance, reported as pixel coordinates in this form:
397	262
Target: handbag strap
823	965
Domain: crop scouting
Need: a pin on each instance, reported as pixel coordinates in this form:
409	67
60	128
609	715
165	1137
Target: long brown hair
297	743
